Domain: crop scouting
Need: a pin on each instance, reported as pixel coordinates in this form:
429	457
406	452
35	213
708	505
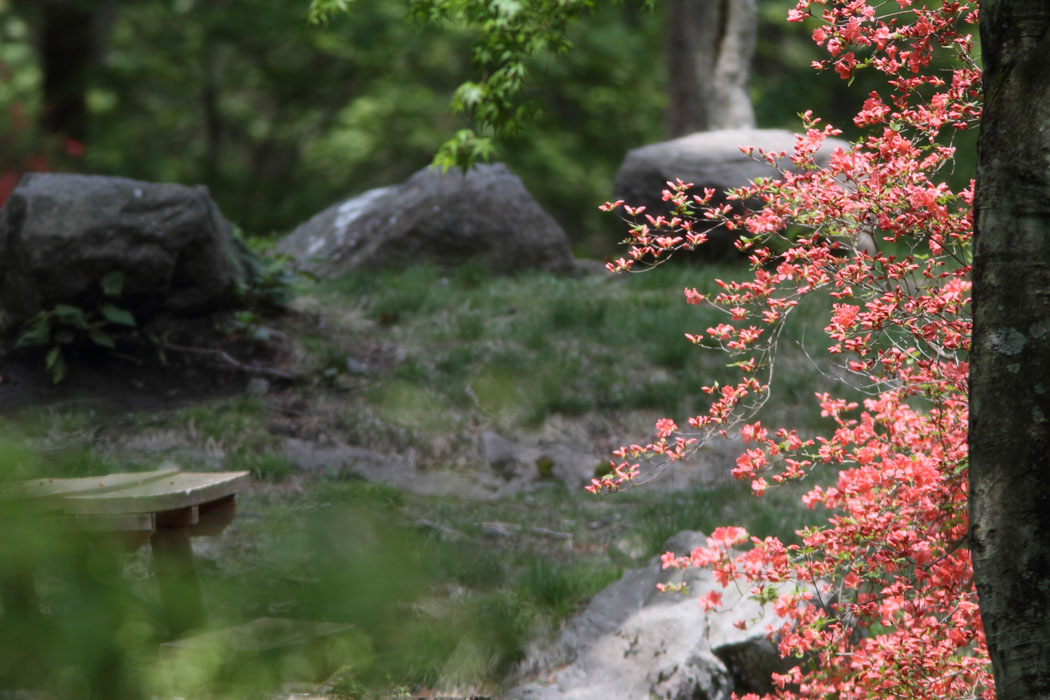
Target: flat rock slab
392	470
508	468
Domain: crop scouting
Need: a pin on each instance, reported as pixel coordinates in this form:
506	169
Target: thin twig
448	532
126	357
231	362
507	529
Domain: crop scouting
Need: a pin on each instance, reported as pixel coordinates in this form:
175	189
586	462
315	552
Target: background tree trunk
69	39
710	44
67	50
210	107
1010	361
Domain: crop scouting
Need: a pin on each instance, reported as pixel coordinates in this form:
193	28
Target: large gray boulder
706	159
60	234
634	642
446	218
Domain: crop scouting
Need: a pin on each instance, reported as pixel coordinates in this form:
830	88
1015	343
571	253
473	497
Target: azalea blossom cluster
879	601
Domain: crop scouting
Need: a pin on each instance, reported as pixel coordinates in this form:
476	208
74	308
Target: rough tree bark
710	44
1010	361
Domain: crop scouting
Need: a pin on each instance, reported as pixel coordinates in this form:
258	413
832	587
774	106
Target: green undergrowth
57	441
441	593
521	349
450	593
71	440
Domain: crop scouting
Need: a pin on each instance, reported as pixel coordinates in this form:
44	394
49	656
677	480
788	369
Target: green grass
436	600
442	592
224	420
237	428
440	611
559	587
656	517
435	612
523	349
54	442
263	466
65	421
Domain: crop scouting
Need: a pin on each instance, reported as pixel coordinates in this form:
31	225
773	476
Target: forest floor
448	587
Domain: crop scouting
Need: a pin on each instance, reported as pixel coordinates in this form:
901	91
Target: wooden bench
166	507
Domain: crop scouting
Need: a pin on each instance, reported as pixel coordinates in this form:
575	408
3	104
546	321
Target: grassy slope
446	592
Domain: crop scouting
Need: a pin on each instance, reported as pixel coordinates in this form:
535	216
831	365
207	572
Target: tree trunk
710	44
210	107
1010	360
69	36
67	49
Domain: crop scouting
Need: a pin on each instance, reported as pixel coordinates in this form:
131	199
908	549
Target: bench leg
173	562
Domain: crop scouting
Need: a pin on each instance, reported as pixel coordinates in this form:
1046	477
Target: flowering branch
882	602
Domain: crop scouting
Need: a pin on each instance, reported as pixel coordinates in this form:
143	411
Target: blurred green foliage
278	117
69	624
281	118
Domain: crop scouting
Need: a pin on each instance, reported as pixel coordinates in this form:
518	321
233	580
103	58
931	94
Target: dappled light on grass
523	349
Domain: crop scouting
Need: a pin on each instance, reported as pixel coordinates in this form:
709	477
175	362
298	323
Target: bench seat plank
170	492
61	488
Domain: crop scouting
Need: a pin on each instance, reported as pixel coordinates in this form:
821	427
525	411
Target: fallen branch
507	529
447	533
231	362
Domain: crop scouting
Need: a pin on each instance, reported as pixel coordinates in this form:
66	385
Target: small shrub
64	329
263	467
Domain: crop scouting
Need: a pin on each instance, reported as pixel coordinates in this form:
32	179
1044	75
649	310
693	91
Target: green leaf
467	96
321	11
113	314
37	331
64	336
56	365
113	284
52	357
101	338
70	316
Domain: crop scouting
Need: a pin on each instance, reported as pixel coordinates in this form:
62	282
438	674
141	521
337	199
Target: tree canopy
281	117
